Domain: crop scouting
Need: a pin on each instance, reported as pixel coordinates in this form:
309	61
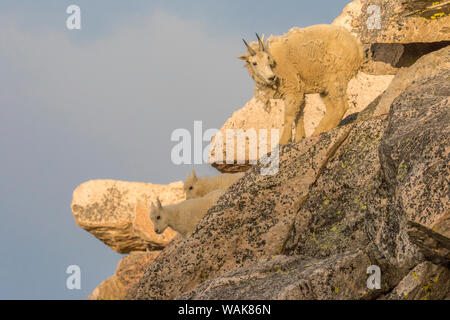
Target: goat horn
261	44
252	52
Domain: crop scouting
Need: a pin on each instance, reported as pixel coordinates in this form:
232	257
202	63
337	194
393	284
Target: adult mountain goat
317	59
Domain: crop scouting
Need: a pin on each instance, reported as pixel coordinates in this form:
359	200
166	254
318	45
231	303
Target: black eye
254	63
190	188
158	217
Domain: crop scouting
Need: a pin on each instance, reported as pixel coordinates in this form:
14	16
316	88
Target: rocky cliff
372	192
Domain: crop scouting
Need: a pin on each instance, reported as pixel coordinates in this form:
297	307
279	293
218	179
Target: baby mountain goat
317	59
198	187
182	217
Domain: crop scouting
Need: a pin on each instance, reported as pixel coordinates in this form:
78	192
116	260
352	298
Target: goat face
260	64
158	217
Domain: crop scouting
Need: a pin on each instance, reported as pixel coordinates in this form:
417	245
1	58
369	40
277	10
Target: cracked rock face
425	66
117	212
426	281
126	277
417	162
286	278
374	192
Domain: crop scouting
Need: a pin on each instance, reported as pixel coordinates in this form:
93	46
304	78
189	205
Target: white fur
196	187
317	59
182	217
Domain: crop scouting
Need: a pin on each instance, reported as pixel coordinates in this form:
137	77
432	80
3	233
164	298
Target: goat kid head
158	217
260	63
189	185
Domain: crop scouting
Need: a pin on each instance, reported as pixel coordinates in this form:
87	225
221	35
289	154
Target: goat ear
194	175
244	57
188	176
153	206
159	203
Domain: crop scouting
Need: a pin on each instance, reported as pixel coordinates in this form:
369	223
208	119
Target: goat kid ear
188	176
244	57
194	175
159	203
153	206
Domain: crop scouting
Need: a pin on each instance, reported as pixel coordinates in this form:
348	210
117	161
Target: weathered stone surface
129	270
291	278
350	17
252	117
425	66
363	89
416	162
339	200
383	58
396	33
106	209
426	281
399	21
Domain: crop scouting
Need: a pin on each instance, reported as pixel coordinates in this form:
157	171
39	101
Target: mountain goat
317	59
198	187
184	216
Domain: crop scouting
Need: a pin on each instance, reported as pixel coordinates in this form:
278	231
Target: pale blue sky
102	103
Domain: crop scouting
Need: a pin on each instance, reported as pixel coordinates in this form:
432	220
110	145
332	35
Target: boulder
350	17
341	202
289	278
426	281
426	65
117	212
399	21
252	116
416	162
396	33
